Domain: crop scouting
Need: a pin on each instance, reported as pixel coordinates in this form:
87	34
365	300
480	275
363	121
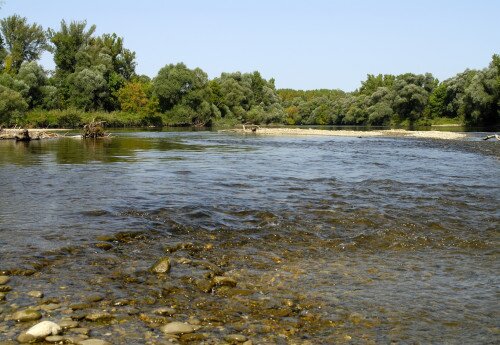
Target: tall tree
24	42
68	41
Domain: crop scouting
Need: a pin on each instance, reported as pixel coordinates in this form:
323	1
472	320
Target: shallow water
331	239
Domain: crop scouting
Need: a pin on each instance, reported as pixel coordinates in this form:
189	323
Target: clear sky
305	44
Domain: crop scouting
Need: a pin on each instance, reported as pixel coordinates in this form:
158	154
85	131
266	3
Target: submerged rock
104	245
26	338
94	342
54	339
44	329
224	281
4	280
99	316
66	324
161	266
26	315
35	294
164	311
5	288
235	338
176	328
2	296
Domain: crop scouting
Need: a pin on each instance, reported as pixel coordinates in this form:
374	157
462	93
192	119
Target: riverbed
277	239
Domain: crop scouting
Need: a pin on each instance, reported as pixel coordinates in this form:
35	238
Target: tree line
95	76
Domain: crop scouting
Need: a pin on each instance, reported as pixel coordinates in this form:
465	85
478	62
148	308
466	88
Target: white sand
350	133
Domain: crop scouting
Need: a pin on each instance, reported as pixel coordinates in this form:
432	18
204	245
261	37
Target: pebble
84	331
66	324
75	340
26	338
95	298
205	285
44	329
177	328
235	338
2	296
35	294
98	316
224	281
161	266
5	288
26	315
79	306
51	306
164	311
4	280
54	339
94	342
104	245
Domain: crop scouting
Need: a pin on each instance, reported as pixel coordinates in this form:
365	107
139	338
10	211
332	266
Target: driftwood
251	126
25	135
492	136
94	129
22	135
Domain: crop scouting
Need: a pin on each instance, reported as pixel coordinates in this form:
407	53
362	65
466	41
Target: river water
330	239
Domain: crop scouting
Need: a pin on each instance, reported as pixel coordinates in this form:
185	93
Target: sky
308	44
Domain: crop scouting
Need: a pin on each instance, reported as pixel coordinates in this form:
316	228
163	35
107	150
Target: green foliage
173	82
12	106
24	42
67	42
95	77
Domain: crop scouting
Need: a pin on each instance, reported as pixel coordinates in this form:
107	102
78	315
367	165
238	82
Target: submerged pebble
161	266
35	294
26	315
177	328
4	280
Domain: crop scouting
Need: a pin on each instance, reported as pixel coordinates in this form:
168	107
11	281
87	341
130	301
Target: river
329	239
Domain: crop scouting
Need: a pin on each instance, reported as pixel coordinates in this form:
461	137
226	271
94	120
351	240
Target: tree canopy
98	73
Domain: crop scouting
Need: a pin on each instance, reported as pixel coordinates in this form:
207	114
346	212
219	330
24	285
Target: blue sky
304	44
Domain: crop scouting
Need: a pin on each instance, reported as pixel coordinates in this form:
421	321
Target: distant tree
67	42
12	106
173	82
24	42
136	97
34	76
482	96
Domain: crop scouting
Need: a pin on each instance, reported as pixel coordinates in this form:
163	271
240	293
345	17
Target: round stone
177	328
26	315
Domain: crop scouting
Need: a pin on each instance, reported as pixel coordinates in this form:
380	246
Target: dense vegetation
95	77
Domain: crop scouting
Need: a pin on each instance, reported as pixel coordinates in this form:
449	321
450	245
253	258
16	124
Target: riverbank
351	133
29	134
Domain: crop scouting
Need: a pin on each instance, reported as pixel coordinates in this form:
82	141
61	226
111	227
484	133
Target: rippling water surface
331	239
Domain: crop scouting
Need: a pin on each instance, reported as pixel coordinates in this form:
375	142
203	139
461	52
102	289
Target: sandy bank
31	134
350	133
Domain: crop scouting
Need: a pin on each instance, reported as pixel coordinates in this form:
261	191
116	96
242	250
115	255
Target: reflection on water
378	239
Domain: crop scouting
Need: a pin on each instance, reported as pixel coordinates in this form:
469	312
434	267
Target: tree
482	97
12	106
24	42
68	41
34	76
173	82
136	97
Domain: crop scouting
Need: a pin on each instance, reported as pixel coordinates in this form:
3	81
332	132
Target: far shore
350	133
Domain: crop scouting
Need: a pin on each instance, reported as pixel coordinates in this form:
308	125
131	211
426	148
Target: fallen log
492	136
